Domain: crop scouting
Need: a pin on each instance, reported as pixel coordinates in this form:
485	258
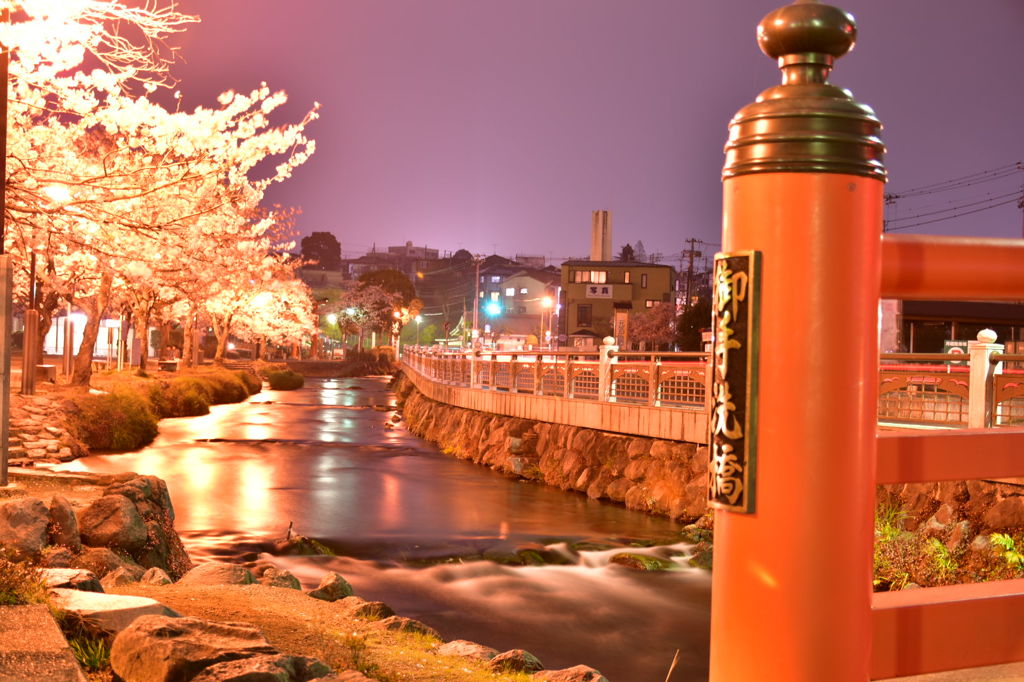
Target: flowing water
410	526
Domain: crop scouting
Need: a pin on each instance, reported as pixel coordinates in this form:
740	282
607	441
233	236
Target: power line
956	215
1015	195
956	183
967	203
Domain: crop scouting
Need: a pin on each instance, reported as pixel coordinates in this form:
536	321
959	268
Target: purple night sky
498	126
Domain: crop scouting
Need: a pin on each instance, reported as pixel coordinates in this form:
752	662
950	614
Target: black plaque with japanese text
733	425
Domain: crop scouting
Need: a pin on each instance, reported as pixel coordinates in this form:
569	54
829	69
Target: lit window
481	294
626	280
510	291
581	277
494	295
598	276
650	303
495	278
523	290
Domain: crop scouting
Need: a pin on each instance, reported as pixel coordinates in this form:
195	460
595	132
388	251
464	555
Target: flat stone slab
71	578
109	612
33	648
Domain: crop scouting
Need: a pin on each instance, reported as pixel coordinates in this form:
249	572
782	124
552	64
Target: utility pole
476	300
690	253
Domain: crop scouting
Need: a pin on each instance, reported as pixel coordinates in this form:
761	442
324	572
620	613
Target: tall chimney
601	236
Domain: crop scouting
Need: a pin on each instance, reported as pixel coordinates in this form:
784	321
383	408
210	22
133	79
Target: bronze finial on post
806	123
792	444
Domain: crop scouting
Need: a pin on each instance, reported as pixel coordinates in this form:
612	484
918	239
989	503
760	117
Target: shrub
184	399
285	380
20	583
263	369
251	381
227	387
120	421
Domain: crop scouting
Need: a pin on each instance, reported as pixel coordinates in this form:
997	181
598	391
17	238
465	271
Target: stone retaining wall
39	433
647	474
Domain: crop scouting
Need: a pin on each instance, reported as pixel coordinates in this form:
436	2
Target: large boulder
113	521
23	524
108	613
217	573
63	527
162	547
149	494
267	667
162	649
332	588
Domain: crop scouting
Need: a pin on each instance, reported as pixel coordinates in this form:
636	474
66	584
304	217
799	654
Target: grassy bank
124	417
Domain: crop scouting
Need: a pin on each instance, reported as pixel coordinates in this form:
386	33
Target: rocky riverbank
117	572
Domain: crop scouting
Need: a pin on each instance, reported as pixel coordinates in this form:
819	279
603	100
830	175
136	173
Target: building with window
928	326
598	297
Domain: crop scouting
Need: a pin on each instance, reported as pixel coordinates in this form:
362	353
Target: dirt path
300	625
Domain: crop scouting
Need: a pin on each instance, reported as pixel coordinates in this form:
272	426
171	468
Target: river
409	525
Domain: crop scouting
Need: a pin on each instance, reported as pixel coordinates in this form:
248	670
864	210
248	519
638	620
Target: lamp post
419	318
333	320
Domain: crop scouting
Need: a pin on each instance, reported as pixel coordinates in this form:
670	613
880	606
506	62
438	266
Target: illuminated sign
732	442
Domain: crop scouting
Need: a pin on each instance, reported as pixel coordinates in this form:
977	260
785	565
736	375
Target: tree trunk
47	307
188	342
222	329
141	318
83	360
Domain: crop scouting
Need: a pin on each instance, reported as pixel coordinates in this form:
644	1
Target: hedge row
125	418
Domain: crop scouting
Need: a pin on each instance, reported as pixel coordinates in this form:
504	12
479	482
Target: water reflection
328	458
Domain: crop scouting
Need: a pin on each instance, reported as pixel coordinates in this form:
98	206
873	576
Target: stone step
32	647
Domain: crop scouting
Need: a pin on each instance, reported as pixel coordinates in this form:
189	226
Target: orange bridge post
795	364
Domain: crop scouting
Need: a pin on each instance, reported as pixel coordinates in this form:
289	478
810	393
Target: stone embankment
39	434
670	477
647	474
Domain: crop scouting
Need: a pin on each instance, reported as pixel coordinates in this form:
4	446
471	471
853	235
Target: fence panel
631	382
1008	399
926	395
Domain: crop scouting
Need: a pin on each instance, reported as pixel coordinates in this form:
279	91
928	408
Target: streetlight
419	318
332	319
